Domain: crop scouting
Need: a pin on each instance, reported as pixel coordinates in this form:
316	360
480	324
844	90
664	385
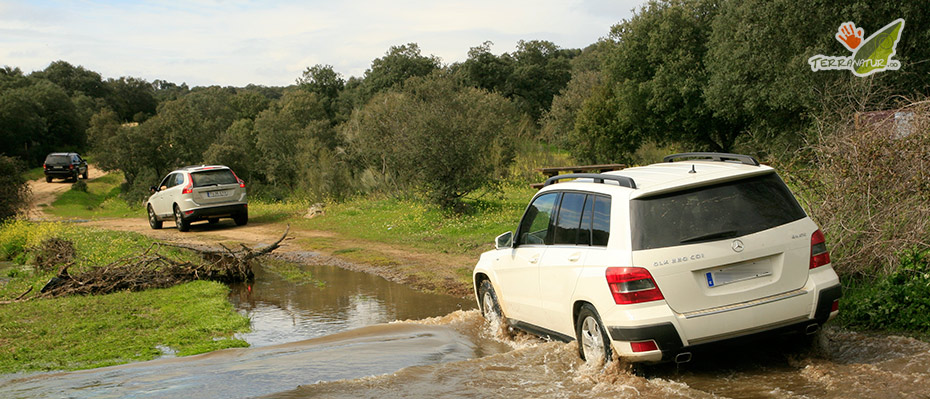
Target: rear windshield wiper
710	236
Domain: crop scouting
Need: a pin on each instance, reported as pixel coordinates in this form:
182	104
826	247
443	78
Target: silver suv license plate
215	194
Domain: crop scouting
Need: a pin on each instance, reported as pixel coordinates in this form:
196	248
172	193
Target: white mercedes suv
205	192
651	262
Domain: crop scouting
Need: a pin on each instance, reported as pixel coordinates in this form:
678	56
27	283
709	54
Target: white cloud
206	42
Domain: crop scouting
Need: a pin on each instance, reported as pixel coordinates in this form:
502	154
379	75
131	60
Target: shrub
79	185
899	301
434	136
867	187
14	192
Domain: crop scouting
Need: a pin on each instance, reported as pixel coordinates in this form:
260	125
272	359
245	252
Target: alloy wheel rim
591	340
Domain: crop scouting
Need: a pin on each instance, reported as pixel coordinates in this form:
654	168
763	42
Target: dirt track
43	194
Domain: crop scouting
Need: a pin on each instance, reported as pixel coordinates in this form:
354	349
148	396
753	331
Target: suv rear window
712	213
58	160
213	177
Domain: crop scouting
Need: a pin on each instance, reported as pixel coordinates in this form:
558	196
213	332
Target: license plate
730	275
215	194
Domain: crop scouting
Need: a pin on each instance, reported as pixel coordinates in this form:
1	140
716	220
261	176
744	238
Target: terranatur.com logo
872	56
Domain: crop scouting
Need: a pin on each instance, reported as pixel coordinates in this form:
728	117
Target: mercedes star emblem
737	245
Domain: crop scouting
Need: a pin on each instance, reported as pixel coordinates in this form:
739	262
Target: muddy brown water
343	341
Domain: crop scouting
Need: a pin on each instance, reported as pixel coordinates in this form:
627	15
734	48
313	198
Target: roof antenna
692	169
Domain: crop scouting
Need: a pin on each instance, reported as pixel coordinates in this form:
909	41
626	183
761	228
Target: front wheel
593	341
490	308
182	224
154	223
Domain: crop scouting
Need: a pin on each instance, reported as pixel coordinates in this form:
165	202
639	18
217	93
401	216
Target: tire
490	308
241	219
48	179
84	176
154	223
213	221
74	178
593	341
182	224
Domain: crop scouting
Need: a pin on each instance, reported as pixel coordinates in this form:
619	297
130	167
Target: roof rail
713	156
598	178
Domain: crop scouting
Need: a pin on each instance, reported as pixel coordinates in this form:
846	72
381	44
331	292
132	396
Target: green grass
96	331
423	226
34	174
101	330
101	200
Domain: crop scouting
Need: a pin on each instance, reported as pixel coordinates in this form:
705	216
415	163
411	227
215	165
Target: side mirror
152	189
504	240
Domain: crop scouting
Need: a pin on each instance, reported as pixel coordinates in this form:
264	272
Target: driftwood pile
151	269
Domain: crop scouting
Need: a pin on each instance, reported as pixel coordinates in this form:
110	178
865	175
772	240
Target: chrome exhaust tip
812	329
683	357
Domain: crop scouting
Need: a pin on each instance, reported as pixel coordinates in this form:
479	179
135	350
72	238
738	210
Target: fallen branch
151	269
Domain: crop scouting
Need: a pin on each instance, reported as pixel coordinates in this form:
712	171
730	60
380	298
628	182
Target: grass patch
101	199
419	225
96	331
34	173
101	330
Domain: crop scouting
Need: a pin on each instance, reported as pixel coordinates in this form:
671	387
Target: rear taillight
632	285
44	166
819	254
835	306
241	182
189	187
71	167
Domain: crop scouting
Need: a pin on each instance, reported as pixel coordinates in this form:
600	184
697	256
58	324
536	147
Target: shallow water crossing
342	340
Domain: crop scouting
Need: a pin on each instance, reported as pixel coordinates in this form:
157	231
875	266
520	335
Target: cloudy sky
205	42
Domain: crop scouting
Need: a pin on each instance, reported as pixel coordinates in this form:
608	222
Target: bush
435	137
14	192
79	185
867	187
898	302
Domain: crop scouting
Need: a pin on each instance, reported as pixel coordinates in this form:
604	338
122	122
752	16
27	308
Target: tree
398	64
484	70
133	99
14	192
434	135
540	70
326	83
73	79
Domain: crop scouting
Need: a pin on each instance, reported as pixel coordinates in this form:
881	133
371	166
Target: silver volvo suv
194	193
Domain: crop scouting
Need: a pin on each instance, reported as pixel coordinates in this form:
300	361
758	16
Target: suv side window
166	183
178	179
569	227
536	224
600	231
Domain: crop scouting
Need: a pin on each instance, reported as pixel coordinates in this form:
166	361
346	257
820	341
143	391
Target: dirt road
43	194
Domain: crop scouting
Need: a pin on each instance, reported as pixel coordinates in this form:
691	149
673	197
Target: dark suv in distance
64	165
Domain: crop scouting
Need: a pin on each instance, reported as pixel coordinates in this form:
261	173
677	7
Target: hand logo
850	36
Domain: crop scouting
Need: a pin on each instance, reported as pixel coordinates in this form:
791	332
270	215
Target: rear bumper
215	212
675	333
61	172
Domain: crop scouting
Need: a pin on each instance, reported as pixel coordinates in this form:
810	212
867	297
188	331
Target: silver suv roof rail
598	178
713	156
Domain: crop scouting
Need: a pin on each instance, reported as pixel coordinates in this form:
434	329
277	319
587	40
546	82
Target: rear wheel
593	341
84	176
48	179
182	224
242	218
153	219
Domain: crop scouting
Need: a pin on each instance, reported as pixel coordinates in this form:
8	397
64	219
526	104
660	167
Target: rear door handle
574	257
534	259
